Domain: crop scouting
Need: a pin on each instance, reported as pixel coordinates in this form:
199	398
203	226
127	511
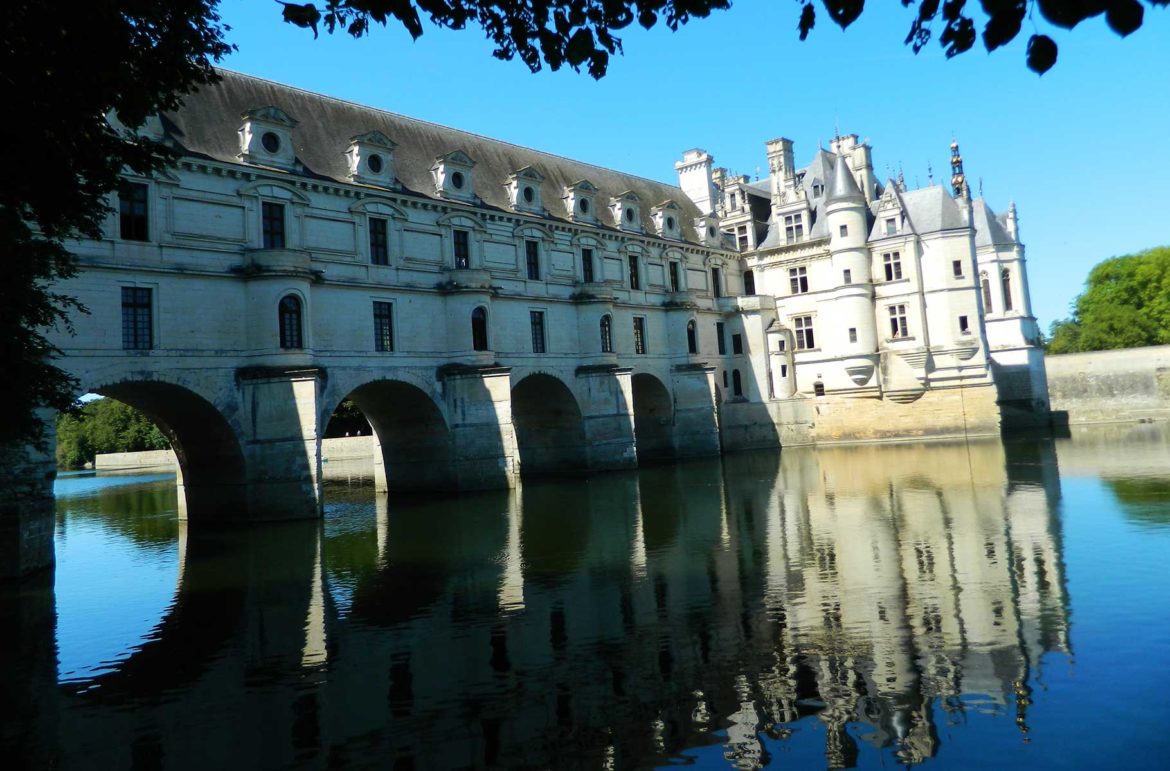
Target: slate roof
989	229
928	210
207	122
844	186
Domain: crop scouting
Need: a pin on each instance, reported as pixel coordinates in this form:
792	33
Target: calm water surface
980	605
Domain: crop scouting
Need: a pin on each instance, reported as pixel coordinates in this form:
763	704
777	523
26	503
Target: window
782	344
853	334
844	231
1006	279
692	337
672	268
731	201
798	280
290	322
986	293
964	327
793	227
804	333
606	334
783	370
957	268
532	259
749	282
136	319
719	341
383	326
818	388
132	212
462	242
272	224
379	242
635	279
536	322
891	226
724	378
741	238
479	335
736	383
639	334
893	265
716	283
737	343
587	266
898	321
847	276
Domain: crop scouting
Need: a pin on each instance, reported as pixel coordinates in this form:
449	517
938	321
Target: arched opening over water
550	432
653	419
211	474
411	442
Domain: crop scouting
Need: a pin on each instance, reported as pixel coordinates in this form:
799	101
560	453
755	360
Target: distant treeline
101	426
1126	304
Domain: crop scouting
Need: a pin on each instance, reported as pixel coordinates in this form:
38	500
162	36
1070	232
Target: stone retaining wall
1110	386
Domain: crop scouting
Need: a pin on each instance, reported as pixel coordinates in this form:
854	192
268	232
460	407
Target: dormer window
371	159
524	190
579	201
452	175
667	221
626	211
266	138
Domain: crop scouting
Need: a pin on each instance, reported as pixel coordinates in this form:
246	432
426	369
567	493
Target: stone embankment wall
1109	386
345	450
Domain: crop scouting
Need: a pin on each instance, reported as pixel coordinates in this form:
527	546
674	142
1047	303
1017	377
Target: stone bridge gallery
495	310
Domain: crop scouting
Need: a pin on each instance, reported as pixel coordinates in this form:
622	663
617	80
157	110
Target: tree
1126	304
581	32
101	426
64	70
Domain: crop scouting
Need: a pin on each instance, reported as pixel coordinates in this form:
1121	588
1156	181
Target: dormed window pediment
667	221
524	191
266	137
581	201
627	211
453	175
371	159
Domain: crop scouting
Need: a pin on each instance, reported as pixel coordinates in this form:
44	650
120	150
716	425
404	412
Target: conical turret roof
844	186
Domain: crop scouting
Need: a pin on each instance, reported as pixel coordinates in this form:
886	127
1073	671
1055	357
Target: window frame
804	332
536	328
635	274
793	228
721	337
379	237
606	330
383	326
480	339
291	337
273	225
461	248
692	337
532	259
899	324
587	274
133	211
639	325
892	264
798	280
137	318
673	276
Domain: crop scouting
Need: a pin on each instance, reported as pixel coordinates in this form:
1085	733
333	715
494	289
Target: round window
457	180
629	215
270	141
584	206
670	223
710	232
375	164
529	195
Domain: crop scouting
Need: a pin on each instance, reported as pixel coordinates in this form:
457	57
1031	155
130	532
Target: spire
958	178
844	186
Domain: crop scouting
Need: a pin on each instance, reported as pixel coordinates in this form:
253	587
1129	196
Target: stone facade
1132	384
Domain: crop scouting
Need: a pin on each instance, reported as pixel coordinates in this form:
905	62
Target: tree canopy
63	71
100	426
583	33
1126	304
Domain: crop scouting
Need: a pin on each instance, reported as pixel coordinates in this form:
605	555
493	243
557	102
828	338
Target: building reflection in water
622	620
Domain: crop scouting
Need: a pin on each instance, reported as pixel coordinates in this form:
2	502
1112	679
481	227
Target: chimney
694	177
780	165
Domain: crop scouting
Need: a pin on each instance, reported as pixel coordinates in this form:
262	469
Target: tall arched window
749	282
986	292
1006	278
479	335
606	334
290	322
692	337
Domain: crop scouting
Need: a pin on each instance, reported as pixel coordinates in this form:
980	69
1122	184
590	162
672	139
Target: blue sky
1079	150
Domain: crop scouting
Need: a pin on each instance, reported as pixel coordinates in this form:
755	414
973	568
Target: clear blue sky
1080	150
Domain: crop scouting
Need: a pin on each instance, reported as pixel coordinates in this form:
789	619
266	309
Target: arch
550	432
479	329
212	478
275	191
533	230
378	208
653	418
692	337
606	333
291	322
1005	278
412	447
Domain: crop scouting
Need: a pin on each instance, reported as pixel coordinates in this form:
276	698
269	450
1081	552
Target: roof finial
929	175
981	187
901	178
958	178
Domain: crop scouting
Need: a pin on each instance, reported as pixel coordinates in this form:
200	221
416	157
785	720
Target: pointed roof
844	186
989	229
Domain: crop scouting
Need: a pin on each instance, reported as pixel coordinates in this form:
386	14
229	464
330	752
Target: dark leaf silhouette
1003	23
808	20
1124	16
1041	54
844	12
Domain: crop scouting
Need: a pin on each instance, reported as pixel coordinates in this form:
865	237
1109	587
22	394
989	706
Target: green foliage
101	426
65	72
347	420
582	32
1126	304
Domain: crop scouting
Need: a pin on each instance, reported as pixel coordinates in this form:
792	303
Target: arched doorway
653	419
550	433
411	443
211	476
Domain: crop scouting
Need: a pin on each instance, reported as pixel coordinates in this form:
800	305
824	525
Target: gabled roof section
456	156
527	173
929	209
374	137
205	126
989	230
270	114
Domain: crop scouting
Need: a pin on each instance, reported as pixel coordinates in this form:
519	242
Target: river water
964	605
